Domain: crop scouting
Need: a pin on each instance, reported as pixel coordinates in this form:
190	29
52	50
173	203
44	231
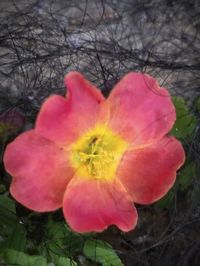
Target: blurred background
42	40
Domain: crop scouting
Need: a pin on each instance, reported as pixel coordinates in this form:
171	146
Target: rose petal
40	171
93	205
141	111
64	120
149	173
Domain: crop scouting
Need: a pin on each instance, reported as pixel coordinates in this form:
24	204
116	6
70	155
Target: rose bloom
94	157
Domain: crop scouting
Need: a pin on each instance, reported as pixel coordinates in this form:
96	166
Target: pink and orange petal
99	204
149	173
63	120
138	113
40	171
141	111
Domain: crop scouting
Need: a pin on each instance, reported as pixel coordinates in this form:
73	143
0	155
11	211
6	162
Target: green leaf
13	257
7	204
186	175
101	252
60	241
185	121
12	233
65	262
8	217
52	246
17	239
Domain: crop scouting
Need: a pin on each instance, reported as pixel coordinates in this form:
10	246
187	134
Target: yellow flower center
97	153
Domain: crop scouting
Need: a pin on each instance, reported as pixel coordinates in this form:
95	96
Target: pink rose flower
94	157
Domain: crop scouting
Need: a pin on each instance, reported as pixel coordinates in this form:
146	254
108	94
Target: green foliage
60	241
183	130
17	238
65	262
186	175
13	234
185	122
100	252
7	215
13	257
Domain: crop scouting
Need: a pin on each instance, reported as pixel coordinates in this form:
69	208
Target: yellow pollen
97	153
